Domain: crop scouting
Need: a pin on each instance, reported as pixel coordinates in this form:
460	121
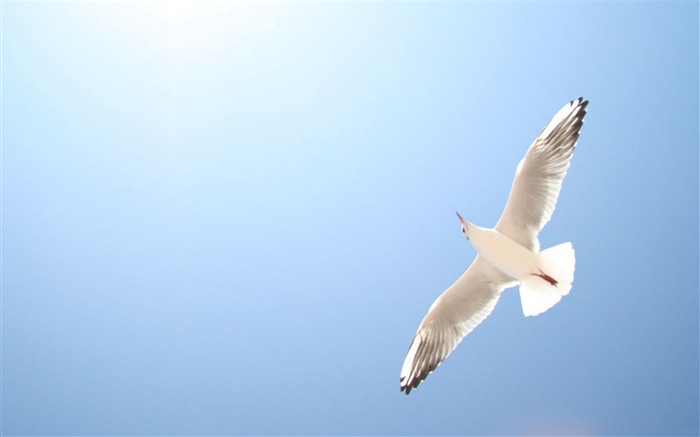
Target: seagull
507	255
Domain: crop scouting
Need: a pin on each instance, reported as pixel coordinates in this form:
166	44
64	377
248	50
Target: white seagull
507	255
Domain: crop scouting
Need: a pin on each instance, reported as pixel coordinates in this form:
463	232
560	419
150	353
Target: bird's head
465	226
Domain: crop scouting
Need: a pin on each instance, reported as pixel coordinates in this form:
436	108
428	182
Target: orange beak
460	218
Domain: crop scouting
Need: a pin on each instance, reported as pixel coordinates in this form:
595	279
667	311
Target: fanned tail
543	289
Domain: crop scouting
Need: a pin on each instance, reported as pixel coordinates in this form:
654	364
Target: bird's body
508	254
503	253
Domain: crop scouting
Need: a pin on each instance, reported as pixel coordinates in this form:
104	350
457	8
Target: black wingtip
582	103
407	388
415	382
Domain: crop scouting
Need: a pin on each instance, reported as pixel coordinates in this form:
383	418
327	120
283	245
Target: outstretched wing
452	316
540	173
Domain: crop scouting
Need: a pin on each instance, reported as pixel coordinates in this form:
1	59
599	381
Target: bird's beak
460	218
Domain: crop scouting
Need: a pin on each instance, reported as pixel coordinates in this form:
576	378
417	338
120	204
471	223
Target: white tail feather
538	293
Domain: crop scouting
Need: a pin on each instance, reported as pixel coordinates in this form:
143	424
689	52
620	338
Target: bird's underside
531	202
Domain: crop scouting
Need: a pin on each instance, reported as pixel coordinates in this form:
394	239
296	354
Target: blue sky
224	219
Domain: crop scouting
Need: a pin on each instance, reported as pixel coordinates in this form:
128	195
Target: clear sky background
225	219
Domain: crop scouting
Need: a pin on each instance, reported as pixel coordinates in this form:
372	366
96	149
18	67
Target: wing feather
537	183
451	317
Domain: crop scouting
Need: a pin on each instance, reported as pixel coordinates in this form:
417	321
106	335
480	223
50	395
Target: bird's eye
463	231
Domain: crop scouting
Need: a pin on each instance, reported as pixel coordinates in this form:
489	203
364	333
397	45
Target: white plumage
508	254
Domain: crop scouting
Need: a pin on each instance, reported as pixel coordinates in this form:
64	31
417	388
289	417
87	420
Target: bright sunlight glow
185	31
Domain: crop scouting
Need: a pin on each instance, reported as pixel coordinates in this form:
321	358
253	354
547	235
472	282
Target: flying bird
507	255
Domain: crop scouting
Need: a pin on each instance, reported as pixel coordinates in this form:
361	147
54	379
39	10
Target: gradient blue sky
224	219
